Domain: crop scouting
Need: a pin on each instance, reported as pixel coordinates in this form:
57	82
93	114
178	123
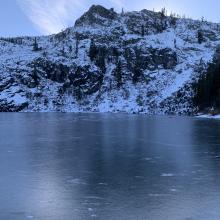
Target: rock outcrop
142	62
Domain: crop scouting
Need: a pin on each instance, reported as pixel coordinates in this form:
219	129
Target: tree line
207	89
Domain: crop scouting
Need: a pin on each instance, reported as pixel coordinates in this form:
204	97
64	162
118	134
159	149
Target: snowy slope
142	62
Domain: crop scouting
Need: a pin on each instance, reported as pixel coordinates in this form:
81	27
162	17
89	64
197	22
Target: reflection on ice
76	182
167	174
70	166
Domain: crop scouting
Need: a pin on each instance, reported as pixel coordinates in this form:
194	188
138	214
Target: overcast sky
35	17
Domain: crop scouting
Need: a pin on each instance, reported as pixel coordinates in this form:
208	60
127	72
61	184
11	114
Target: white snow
209	116
143	97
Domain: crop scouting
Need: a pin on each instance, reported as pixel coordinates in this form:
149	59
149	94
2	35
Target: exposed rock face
165	58
50	70
6	106
86	79
108	62
96	15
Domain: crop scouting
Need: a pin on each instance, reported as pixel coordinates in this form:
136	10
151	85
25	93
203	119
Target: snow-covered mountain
142	62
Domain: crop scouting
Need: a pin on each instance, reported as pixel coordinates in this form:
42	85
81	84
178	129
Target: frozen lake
108	167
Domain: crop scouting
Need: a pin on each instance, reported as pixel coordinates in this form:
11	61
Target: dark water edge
57	166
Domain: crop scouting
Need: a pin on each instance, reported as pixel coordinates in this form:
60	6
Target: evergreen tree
208	88
175	43
173	19
77	48
35	45
122	12
100	59
70	49
62	51
129	56
78	93
77	37
163	13
142	30
35	75
137	71
92	50
118	73
200	36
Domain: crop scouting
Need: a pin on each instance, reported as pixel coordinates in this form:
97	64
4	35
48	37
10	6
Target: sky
42	17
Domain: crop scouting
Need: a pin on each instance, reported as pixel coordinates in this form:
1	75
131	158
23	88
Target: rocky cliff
141	62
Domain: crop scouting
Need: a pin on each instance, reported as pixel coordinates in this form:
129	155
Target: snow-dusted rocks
97	15
141	62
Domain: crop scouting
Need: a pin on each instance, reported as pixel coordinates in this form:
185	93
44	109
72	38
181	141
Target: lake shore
209	116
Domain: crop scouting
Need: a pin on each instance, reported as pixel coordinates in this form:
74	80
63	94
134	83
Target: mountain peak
96	14
139	61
